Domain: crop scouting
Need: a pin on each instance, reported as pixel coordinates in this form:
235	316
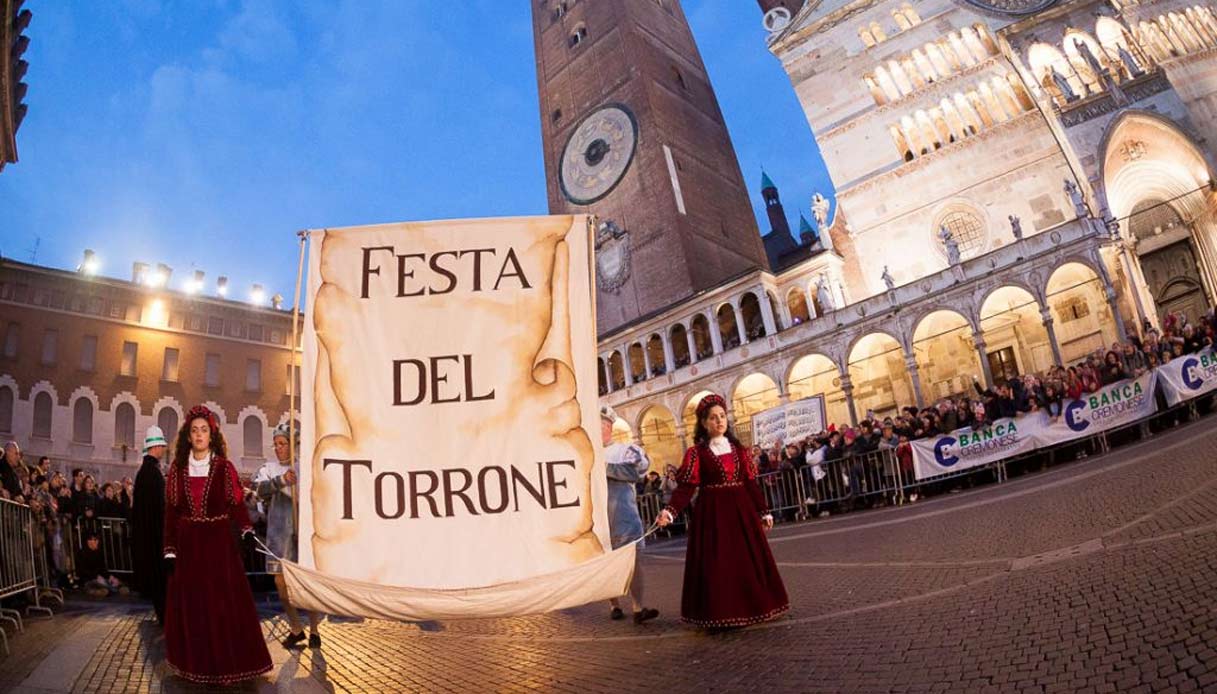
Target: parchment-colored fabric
524	329
605	576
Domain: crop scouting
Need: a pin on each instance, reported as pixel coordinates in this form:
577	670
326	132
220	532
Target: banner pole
291	381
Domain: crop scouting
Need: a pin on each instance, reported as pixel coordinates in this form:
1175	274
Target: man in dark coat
148	523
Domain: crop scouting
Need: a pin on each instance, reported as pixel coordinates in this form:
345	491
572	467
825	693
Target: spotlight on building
89	264
256	295
194	285
276	302
222	285
139	272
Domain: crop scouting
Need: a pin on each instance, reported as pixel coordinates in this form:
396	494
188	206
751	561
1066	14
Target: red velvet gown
731	579
212	631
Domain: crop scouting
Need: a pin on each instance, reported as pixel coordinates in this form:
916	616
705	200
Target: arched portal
756	392
750	312
879	376
816	374
1148	161
946	354
679	337
655	356
657	434
622	433
617	370
728	331
1016	341
1080	312
701	338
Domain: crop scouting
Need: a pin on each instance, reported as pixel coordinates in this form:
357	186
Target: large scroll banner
1115	405
791	422
451	464
968	448
1189	376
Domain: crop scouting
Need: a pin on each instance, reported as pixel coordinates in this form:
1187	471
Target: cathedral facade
1018	183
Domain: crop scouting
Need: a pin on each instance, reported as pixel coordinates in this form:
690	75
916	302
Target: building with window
88	363
1018	183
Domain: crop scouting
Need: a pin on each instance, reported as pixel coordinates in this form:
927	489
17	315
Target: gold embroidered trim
207	519
721	485
218	679
737	621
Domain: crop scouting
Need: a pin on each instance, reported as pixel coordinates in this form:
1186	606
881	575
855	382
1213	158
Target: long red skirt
731	579
212	631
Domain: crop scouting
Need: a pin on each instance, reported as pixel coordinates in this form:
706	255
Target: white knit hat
154	437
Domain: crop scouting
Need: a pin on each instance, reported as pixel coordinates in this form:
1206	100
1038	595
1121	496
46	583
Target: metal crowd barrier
114	539
18	567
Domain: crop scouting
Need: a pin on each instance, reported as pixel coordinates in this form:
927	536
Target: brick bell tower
633	134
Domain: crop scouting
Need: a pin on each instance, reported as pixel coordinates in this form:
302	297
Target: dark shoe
293	640
646	614
617	613
314	640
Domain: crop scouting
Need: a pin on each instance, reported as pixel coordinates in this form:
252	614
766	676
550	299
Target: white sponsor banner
791	422
1109	407
451	458
1112	406
968	448
1188	376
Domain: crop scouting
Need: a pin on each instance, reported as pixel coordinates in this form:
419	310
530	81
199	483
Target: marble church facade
1065	147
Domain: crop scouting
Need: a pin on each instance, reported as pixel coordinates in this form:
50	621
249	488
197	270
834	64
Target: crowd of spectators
1049	392
57	505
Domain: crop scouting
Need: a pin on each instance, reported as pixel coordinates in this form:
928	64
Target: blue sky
204	134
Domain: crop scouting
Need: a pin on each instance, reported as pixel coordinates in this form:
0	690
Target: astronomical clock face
598	154
1011	8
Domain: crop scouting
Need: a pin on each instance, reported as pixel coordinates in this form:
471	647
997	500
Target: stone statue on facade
824	294
1075	196
1016	227
819	210
888	279
1063	85
949	242
1130	62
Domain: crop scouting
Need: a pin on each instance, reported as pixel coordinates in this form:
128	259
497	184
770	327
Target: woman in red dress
731	579
212	631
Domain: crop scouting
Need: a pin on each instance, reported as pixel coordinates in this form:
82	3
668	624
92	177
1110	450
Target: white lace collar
198	468
719	445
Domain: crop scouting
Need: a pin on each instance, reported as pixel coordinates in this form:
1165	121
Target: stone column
692	343
716	339
1046	318
771	327
981	351
910	363
847	387
683	435
646	359
739	323
669	357
625	366
1113	232
608	375
811	304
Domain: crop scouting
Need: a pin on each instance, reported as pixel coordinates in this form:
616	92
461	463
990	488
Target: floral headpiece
710	401
201	411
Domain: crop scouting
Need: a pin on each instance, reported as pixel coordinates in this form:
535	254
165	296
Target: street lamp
89	264
222	286
256	295
195	285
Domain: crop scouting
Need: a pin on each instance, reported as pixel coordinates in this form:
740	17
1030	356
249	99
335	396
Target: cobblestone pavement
1099	575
